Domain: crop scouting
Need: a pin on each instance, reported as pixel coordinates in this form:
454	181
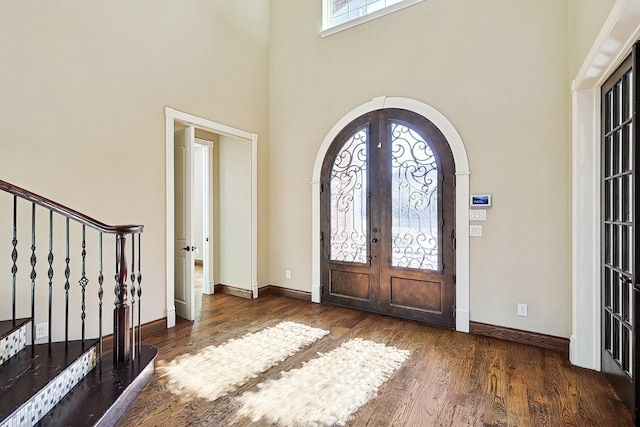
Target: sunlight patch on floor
216	370
325	391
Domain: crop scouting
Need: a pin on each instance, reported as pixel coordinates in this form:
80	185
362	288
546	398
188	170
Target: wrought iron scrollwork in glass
349	195
414	200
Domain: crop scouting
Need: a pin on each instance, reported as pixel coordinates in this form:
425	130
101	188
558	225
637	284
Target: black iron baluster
121	311
133	295
33	274
14	258
100	294
50	273
83	280
67	273
139	292
122	318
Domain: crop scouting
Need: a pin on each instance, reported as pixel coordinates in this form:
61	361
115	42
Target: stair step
13	338
104	394
38	377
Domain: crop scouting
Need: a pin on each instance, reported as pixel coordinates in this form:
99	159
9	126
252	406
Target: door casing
610	48
171	118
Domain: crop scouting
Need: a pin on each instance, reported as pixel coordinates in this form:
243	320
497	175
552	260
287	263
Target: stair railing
126	339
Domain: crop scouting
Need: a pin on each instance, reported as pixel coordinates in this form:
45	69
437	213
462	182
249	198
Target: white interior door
183	209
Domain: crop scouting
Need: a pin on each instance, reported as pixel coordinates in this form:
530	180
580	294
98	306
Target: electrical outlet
42	330
522	310
475	230
287	274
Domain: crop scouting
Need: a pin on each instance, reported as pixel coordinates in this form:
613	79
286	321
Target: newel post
121	345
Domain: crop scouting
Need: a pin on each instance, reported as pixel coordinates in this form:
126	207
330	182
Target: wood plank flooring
450	378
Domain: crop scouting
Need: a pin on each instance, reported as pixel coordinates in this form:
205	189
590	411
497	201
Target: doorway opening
230	254
609	50
203	182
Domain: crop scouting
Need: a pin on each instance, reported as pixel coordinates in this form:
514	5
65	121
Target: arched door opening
380	285
388	218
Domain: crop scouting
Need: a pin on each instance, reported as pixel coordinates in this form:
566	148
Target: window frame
328	30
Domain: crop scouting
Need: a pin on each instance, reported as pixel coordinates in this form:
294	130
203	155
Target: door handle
189	248
628	280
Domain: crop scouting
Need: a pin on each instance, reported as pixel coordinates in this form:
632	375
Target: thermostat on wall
481	201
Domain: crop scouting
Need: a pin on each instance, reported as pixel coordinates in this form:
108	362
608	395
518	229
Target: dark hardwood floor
450	378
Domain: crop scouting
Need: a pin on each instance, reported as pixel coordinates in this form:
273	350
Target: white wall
84	87
498	70
586	18
82	98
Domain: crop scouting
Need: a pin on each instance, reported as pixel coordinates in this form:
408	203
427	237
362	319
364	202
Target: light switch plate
478	214
475	230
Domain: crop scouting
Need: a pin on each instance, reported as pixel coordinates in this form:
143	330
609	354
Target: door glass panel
626	351
349	200
617	164
607	105
414	200
608	341
617	104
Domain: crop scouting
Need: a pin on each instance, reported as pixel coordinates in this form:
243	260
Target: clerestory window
342	14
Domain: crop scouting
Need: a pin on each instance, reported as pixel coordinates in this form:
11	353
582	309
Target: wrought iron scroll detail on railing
127	320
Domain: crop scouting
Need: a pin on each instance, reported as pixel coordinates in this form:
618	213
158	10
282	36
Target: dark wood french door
620	231
388	216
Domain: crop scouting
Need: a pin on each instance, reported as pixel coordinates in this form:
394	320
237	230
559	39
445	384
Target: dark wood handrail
68	212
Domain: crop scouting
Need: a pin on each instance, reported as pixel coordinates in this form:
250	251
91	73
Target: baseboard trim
501	332
230	290
148	328
287	292
263	291
524	337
